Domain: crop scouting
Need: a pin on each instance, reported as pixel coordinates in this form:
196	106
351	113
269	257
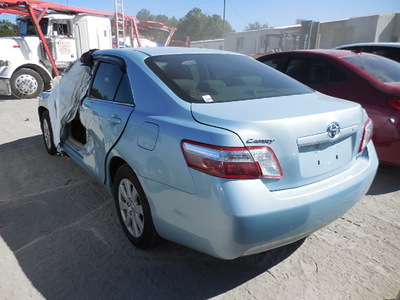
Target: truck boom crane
28	72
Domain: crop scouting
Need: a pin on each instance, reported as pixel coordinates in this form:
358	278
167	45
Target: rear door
104	113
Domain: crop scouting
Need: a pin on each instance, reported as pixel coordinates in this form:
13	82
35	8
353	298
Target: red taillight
16	46
232	162
395	103
366	135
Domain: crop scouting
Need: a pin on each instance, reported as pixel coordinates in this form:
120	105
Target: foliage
256	25
146	15
195	24
298	21
8	29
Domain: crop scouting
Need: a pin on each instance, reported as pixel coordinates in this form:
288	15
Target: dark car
389	50
371	80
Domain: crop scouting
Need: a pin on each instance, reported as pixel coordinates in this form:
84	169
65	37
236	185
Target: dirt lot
60	239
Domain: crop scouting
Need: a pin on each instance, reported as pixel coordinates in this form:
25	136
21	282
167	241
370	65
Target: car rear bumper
387	141
233	218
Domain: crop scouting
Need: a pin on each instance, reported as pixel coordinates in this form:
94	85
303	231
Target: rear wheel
26	83
47	133
133	209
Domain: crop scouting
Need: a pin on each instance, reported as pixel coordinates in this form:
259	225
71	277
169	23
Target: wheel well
116	162
43	73
41	110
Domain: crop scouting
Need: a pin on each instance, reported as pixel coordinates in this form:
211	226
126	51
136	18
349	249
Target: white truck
25	69
54	35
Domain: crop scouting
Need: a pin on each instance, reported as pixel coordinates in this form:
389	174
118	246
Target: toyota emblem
333	129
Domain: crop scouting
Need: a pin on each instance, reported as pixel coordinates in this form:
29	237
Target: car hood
295	128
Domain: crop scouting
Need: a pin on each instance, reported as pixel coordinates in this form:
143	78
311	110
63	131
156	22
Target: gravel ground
60	239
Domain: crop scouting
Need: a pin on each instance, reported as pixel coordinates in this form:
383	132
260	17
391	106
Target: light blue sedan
212	150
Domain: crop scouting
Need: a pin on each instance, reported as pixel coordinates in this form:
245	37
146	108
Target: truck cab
25	69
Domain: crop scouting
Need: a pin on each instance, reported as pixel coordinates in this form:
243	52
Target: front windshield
221	77
383	69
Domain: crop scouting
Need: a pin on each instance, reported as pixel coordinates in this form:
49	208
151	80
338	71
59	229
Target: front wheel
47	133
26	83
133	209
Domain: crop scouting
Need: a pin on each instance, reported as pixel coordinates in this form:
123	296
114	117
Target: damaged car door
104	113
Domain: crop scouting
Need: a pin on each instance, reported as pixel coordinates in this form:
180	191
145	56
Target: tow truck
52	36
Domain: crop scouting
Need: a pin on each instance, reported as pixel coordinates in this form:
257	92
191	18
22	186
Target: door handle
114	119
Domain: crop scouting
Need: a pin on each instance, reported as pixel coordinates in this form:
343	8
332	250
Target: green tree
215	27
256	25
199	26
8	29
195	24
298	21
144	15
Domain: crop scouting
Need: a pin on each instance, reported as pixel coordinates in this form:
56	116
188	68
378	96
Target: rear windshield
383	69
221	77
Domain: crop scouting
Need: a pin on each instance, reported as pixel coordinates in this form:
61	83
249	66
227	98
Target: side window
124	93
111	83
309	71
106	81
393	53
61	28
273	62
336	74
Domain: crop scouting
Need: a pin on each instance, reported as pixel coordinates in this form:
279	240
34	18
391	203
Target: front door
104	114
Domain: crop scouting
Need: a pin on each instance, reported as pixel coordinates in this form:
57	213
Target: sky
239	13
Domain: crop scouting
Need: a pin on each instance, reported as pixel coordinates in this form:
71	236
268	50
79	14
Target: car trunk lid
312	135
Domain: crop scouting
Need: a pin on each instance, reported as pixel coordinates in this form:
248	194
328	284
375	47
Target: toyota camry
209	149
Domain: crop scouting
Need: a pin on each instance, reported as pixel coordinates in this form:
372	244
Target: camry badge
333	129
260	141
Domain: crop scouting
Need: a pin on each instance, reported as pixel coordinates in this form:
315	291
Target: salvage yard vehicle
210	149
371	80
52	35
389	50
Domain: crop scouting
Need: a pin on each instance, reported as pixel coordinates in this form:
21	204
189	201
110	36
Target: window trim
110	59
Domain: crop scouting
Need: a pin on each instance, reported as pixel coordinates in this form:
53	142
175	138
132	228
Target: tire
47	131
26	83
133	209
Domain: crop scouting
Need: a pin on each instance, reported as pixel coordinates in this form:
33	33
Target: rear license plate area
323	158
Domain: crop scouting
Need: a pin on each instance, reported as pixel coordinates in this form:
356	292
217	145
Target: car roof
320	52
154	51
381	44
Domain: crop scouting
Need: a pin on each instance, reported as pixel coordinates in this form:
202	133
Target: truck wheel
26	83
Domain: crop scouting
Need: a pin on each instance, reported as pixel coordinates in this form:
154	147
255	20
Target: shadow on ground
2	98
64	232
387	180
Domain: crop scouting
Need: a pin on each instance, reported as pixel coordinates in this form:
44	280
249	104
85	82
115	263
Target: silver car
212	150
